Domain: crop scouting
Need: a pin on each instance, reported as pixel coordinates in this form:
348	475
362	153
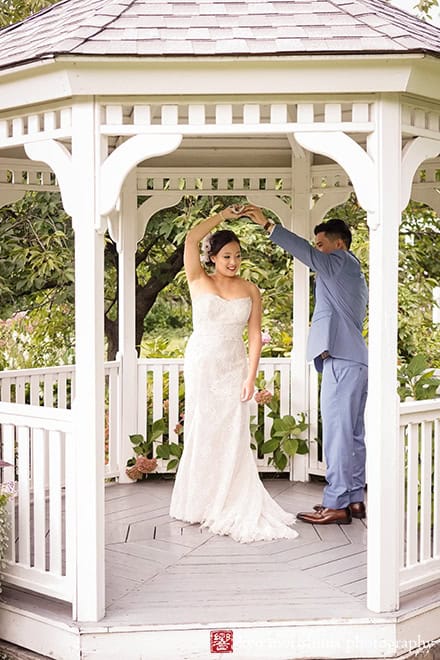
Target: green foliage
37	273
286	434
36	251
167	450
13	11
144	446
36	283
416	380
419	272
424	8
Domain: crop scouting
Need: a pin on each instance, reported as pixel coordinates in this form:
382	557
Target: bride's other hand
247	391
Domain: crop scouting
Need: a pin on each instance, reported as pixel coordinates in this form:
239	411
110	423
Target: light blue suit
341	297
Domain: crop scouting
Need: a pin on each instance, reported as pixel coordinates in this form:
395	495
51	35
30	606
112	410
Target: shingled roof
160	28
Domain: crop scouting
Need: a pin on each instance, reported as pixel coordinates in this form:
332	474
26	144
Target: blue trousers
343	398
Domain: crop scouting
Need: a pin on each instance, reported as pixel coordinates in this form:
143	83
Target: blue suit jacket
341	298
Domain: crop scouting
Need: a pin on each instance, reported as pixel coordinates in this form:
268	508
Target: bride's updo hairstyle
213	243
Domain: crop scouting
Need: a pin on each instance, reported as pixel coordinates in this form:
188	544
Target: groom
337	347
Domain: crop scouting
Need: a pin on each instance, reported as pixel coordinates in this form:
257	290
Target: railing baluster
56	471
436	492
173	402
9	455
426	490
113	430
24	507
39	478
411	495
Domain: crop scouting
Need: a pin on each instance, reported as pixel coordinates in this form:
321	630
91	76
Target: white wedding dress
217	482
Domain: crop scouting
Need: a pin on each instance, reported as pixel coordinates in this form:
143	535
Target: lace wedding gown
217	483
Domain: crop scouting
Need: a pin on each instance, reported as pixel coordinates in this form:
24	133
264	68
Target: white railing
37	442
35	425
316	454
161	396
54	387
420	492
159	380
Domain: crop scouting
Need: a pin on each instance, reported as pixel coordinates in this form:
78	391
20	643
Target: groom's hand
255	214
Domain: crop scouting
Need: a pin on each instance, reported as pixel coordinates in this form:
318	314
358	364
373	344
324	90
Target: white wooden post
301	306
296	219
382	411
89	399
376	178
127	354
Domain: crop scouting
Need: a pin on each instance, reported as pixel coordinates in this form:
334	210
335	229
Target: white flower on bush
8	488
265	337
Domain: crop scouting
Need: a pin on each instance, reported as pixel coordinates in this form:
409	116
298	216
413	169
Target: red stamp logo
221	641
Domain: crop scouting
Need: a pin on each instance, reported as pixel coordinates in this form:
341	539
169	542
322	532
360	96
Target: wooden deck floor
162	571
170	586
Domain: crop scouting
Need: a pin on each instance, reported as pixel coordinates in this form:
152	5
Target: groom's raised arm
321	262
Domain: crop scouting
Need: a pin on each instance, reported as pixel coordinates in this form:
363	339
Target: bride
217	483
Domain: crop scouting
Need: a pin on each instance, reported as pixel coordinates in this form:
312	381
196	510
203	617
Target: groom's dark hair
335	228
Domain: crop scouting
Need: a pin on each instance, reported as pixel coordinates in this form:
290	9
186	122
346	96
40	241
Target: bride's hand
233	212
247	391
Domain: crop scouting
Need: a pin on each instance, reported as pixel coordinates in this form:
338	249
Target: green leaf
289	422
159	425
158	429
175	449
290	446
302	447
417	365
280	460
259	436
172	464
273	405
270	445
136	438
279	425
163	451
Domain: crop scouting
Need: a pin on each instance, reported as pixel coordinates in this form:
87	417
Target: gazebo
310	100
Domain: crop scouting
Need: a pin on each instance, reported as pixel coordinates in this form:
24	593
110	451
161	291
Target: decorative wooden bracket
413	155
352	158
59	159
121	161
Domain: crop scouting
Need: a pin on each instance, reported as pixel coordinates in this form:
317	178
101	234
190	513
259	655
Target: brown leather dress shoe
325	516
357	509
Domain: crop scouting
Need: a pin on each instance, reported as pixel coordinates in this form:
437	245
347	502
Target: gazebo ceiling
261	151
165	28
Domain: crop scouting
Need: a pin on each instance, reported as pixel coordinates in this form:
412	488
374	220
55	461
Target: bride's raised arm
191	256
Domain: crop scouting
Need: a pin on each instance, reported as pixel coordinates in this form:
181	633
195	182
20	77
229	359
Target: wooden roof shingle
160	28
